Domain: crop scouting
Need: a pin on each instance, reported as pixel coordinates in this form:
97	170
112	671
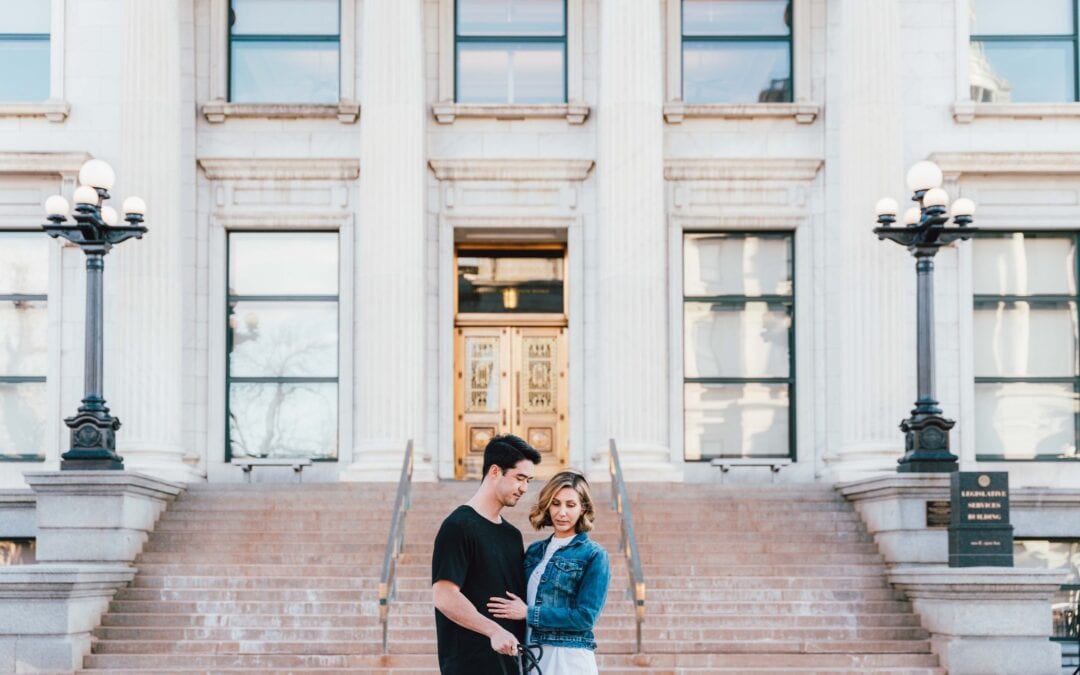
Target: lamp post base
927	445
93	443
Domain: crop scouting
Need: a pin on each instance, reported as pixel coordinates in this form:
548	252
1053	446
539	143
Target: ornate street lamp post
95	231
925	231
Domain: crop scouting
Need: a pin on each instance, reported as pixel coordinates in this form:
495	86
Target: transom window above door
510	281
284	51
1023	52
510	51
736	51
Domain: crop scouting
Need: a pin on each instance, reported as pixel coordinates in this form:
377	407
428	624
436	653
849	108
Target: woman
568	577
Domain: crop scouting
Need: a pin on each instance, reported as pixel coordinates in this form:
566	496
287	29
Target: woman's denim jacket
572	592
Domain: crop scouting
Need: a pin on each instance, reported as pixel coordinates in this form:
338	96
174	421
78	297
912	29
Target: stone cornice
60	163
986	584
14	499
248	168
45	581
446	112
955	164
795	169
217	112
54	111
512	169
101	483
803	113
965	112
1045	498
896	485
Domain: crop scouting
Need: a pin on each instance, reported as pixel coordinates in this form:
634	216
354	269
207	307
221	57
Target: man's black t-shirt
485	560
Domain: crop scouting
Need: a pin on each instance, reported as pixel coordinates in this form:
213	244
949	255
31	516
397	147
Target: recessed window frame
509	38
231	299
1005	38
574	110
741	300
26	379
218	108
802	108
986	298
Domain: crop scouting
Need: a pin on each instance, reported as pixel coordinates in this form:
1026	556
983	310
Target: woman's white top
558	660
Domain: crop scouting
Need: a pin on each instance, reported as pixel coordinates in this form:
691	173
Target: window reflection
22	551
736	420
282	344
24	341
1025	339
1063	555
510	51
749	340
731	264
510	282
24	50
284	51
1025	420
736	51
738	315
1026	344
1022	53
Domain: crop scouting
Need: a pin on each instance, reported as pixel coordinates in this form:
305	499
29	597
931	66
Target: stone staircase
276	578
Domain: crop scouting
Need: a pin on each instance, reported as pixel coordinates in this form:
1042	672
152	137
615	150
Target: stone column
143	278
869	314
629	314
390	301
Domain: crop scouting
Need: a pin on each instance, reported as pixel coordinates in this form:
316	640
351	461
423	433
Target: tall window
510	51
1059	554
736	51
24	50
1026	374
282	344
738	363
24	281
284	51
1023	52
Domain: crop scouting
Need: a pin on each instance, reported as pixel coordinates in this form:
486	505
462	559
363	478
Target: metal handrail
620	503
395	541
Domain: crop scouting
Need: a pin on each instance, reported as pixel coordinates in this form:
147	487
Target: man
478	555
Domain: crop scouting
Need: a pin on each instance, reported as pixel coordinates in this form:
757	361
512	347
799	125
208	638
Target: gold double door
510	380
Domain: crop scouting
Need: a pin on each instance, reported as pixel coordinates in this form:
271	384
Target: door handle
504	417
517	397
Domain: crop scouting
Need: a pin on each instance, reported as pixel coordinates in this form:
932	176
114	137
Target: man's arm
456	607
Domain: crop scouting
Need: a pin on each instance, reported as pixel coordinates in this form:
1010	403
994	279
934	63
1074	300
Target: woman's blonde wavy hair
540	516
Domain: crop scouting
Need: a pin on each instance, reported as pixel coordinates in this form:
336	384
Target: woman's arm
592	593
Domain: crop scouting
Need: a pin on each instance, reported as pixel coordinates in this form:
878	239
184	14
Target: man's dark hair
506	451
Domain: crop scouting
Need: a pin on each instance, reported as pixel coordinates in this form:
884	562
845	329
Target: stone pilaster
868	315
390	301
144	373
629	312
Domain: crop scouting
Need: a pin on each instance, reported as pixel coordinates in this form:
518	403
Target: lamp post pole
95	231
924	232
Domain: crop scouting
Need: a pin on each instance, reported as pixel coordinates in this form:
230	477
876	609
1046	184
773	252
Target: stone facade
617	174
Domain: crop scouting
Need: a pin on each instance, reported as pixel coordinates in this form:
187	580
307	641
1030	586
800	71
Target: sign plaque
979	529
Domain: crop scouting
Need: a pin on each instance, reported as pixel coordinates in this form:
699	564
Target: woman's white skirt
568	661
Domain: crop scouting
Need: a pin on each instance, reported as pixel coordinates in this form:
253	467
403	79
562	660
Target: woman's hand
513	609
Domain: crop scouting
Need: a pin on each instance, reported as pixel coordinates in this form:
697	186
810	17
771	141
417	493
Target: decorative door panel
510	380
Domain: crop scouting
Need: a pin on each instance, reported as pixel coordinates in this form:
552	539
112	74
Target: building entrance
510	354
